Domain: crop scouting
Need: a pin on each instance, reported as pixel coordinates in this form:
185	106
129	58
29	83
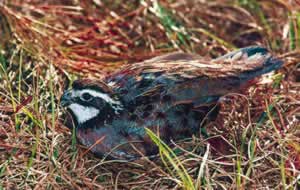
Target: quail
170	95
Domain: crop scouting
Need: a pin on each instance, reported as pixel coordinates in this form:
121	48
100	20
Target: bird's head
89	99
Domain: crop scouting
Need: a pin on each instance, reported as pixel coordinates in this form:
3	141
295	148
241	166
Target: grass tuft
169	157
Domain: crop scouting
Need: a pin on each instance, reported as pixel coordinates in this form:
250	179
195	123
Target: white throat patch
83	113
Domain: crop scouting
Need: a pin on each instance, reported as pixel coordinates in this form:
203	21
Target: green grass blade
282	159
298	29
20	75
216	38
175	31
292	35
171	157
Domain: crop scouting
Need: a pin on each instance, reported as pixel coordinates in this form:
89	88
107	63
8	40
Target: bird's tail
252	61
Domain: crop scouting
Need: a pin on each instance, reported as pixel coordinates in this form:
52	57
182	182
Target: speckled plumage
171	95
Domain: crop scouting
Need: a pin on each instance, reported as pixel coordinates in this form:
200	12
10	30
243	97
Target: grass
253	144
175	31
169	157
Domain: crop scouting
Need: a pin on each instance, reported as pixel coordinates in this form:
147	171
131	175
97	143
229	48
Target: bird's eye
86	97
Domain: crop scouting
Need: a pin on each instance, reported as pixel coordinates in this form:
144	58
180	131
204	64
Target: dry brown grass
254	144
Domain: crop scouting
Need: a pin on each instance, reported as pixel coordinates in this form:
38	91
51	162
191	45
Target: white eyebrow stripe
103	96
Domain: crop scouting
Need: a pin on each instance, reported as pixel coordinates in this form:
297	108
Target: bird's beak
66	98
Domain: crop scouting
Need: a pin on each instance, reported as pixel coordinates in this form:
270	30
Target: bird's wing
184	78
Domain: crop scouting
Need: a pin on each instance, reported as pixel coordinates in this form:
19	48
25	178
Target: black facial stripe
100	104
96	102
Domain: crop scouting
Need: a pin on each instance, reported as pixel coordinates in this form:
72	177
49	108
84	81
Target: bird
172	95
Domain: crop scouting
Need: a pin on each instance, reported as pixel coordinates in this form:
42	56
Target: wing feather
189	78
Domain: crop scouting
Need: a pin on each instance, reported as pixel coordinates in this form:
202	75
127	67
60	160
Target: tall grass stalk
280	140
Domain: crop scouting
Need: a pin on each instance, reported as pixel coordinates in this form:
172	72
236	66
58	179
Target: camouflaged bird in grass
170	94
